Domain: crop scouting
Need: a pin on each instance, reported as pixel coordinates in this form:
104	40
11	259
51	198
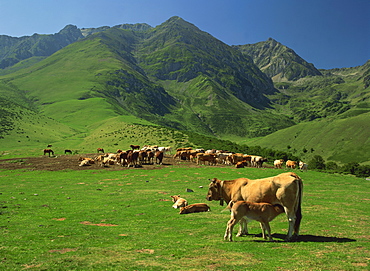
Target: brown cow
179	202
100	150
48	151
158	157
150	156
284	189
194	208
203	157
135	147
262	212
291	164
241	164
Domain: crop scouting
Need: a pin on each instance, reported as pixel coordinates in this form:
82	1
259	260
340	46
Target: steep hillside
115	86
343	140
174	75
278	61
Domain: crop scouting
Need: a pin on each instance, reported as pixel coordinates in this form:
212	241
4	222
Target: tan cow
179	202
194	208
284	189
262	212
278	163
291	164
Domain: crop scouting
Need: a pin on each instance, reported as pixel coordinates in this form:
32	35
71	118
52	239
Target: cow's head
214	191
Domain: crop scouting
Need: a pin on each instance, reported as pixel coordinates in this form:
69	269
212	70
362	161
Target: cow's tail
299	209
228	207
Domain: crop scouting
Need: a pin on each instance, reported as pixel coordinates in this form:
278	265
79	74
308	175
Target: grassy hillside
342	140
119	86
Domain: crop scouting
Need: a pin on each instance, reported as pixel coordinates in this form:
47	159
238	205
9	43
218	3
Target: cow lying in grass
179	202
194	208
262	212
85	161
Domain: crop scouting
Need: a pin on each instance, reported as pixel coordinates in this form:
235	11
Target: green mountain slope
122	85
121	71
13	50
342	140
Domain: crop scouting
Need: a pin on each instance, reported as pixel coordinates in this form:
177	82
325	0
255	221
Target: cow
284	189
278	163
122	158
142	157
90	160
67	151
135	147
241	164
291	164
183	155
48	151
303	166
194	208
85	161
100	150
262	212
132	158
203	157
257	161
150	156
179	202
158	157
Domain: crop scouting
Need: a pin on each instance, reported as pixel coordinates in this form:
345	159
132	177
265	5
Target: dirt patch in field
70	162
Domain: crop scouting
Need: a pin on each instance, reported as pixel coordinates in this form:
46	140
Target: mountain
278	61
115	86
173	75
13	50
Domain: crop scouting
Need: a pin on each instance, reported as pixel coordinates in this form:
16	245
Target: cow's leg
265	226
229	229
243	229
292	221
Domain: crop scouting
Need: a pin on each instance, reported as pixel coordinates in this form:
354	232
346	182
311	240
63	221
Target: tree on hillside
317	162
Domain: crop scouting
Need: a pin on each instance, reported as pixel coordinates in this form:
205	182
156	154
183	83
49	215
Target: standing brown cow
284	189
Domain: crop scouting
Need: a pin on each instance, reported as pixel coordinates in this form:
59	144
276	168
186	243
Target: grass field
123	220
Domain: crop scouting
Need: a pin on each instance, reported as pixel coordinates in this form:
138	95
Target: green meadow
123	220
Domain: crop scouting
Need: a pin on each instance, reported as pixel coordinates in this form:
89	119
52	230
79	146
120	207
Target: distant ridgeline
177	76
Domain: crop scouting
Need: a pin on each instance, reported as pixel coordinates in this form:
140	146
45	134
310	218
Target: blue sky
327	33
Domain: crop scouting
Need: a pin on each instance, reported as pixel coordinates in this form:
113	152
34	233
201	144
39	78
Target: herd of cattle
137	156
261	200
134	157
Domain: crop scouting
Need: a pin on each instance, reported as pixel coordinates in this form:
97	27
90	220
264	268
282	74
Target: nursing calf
261	212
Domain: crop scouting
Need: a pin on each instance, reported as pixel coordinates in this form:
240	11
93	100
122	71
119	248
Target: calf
262	212
179	202
194	208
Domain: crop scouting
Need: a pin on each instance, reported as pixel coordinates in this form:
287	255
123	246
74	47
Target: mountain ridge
178	76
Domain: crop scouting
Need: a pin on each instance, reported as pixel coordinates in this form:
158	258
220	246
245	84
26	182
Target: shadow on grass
309	238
